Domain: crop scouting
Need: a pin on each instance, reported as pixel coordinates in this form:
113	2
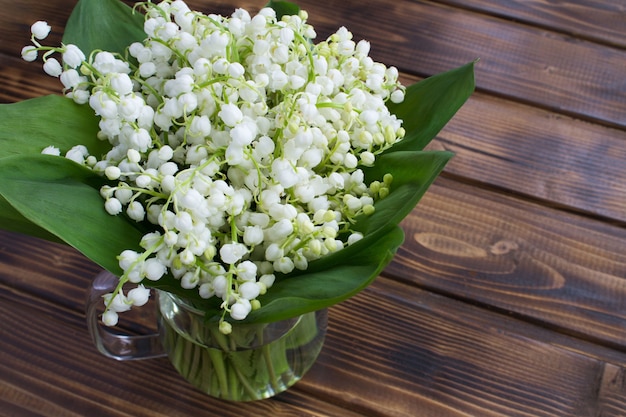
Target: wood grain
560	269
24	81
50	364
431	353
507	298
540	154
602	21
433	346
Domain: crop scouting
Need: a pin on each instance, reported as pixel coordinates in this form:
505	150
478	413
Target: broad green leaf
283	8
319	288
429	104
413	172
325	282
107	25
13	221
29	126
63	198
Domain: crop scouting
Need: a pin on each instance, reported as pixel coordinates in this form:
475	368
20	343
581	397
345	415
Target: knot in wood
503	247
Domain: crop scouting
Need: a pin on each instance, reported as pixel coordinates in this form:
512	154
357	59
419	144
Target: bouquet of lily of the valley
233	161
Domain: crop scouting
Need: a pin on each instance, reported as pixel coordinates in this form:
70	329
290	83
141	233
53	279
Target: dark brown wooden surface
508	297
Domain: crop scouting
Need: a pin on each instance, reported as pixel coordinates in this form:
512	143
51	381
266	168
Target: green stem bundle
255	361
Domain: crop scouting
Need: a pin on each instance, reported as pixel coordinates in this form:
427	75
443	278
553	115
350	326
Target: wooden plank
538	153
52	272
395	350
16	19
447	359
525	258
613	391
560	269
600	21
421	350
22	80
610	149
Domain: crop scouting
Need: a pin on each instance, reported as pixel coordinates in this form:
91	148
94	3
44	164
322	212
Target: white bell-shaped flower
240	309
73	56
249	290
231	253
40	29
230	114
52	67
139	296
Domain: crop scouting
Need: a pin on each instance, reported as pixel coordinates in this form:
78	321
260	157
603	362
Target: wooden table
508	297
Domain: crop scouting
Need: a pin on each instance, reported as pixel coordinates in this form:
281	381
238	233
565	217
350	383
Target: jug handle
112	343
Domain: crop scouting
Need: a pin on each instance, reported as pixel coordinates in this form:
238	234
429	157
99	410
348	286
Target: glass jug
255	361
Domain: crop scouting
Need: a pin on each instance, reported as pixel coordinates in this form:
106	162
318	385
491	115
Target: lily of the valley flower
239	139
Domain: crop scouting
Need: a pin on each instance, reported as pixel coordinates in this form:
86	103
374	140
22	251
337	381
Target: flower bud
52	67
40	29
189	280
274	252
300	261
206	290
354	237
29	53
119	303
253	235
267	280
249	290
246	271
367	158
112	173
232	252
136	211
51	150
225	327
230	114
153	269
73	56
284	265
121	83
240	309
187	257
113	206
110	318
139	296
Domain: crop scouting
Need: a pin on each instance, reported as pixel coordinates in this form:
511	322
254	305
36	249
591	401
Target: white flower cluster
239	138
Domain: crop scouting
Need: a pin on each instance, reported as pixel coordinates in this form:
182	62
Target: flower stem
217	359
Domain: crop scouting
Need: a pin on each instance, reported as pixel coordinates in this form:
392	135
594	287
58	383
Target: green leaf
107	25
12	220
429	104
413	172
62	197
29	126
334	279
283	8
327	281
